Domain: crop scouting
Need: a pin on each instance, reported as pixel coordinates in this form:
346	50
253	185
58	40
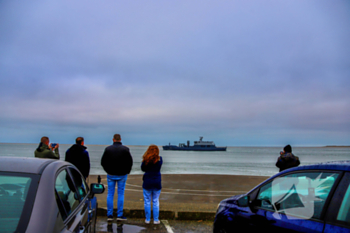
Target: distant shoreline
69	144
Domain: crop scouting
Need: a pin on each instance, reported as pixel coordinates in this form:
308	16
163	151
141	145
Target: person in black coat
79	157
117	162
116	159
152	182
287	159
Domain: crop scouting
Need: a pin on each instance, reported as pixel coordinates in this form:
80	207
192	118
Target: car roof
25	165
332	165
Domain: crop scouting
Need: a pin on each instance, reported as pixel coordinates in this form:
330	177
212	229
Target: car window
344	211
299	194
13	194
79	182
67	197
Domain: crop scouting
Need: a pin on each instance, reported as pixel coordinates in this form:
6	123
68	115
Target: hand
52	148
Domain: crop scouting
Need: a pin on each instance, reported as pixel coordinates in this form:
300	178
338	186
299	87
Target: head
151	155
117	138
45	140
79	141
287	149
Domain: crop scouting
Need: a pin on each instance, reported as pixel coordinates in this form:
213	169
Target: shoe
147	222
109	218
156	222
122	218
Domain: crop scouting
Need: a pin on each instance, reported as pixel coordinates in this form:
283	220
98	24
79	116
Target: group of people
117	162
76	154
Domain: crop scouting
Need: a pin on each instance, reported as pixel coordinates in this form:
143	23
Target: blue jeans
153	195
111	180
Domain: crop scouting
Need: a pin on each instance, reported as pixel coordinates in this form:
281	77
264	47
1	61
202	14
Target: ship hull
194	148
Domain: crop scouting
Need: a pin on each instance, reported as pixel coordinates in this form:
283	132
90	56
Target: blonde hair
151	155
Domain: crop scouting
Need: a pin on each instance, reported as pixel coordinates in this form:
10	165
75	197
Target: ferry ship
198	146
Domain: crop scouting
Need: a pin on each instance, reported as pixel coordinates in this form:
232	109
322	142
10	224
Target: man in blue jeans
117	162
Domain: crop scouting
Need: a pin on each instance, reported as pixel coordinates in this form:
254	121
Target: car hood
231	200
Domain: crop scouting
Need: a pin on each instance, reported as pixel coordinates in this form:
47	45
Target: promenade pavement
183	196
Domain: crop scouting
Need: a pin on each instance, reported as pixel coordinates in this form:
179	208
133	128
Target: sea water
257	161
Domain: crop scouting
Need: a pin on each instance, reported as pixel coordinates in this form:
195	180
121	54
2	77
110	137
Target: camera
53	145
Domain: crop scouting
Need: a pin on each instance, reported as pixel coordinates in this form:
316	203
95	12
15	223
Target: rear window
13	196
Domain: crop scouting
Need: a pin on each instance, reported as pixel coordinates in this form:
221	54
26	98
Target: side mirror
257	203
243	201
96	189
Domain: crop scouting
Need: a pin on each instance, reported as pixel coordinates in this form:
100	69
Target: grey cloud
238	65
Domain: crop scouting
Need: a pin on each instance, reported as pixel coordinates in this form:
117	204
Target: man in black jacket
79	157
117	162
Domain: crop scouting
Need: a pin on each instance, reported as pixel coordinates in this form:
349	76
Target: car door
338	214
294	202
71	193
83	191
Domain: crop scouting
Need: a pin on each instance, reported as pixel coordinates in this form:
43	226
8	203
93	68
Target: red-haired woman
152	184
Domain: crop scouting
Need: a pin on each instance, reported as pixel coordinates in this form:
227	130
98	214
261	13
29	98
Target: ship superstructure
198	146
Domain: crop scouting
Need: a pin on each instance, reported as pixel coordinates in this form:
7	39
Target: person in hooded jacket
287	159
45	149
152	182
79	157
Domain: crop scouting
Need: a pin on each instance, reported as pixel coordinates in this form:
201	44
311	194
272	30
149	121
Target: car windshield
13	195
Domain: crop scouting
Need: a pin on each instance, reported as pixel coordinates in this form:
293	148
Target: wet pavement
166	226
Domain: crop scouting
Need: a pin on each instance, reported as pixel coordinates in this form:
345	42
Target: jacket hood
42	147
76	146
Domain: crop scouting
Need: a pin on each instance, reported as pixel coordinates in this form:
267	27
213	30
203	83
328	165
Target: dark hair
44	139
117	137
287	149
79	140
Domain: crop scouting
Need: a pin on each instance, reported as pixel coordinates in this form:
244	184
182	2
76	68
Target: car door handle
262	220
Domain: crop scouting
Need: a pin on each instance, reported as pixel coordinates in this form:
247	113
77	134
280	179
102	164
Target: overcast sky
240	73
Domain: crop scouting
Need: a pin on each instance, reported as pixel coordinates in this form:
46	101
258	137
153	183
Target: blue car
45	195
312	198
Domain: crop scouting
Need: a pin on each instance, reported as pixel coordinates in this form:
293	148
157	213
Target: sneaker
109	218
147	222
156	222
122	218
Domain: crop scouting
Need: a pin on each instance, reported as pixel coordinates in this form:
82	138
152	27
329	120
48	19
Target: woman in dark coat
152	184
